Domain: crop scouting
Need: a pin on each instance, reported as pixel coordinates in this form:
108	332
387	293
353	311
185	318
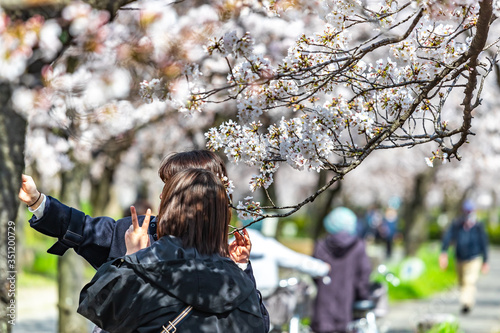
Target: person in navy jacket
471	252
101	239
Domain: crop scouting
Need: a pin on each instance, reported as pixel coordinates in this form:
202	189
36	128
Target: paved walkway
37	311
484	318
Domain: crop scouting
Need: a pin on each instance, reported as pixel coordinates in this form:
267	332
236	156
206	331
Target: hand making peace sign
136	237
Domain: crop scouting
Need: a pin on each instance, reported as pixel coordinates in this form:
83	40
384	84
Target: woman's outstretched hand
28	193
136	237
239	249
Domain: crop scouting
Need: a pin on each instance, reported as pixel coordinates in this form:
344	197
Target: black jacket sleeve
110	298
265	314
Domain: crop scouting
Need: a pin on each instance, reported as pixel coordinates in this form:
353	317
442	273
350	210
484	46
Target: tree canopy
360	76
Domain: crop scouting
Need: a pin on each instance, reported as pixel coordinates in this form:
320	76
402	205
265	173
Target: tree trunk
70	266
111	152
416	229
12	141
100	190
493	211
322	205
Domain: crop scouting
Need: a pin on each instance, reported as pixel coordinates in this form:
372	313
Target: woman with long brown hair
189	266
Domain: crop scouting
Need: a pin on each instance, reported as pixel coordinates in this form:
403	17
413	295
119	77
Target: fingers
28	192
27	179
145	223
247	237
243	238
238	237
135	222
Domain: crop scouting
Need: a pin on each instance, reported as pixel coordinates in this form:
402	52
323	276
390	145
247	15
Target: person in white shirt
268	255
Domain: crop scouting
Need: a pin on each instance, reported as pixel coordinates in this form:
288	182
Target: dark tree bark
70	266
12	136
112	152
321	206
416	227
12	143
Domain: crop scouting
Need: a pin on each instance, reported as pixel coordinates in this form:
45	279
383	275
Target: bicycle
366	312
289	304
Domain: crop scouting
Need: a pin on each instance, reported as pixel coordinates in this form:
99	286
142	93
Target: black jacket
97	239
145	290
469	242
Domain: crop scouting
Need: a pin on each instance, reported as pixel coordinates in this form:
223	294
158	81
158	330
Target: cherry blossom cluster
228	185
87	25
338	13
330	96
265	178
248	209
230	44
240	142
21	41
437	155
151	89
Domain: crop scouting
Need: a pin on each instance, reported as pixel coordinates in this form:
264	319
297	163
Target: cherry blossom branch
477	45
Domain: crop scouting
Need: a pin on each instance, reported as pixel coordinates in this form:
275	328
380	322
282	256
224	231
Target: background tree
74	74
335	107
375	77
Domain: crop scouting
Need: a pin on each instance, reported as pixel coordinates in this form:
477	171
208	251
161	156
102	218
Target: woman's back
187	266
149	288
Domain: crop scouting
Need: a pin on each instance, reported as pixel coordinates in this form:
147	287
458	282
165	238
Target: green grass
36	259
446	327
25	279
36	262
432	280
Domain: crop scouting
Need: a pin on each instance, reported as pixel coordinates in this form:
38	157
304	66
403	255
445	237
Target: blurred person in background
268	256
471	252
371	223
388	229
349	276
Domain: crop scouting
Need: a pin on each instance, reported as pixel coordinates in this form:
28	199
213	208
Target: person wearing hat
471	252
348	279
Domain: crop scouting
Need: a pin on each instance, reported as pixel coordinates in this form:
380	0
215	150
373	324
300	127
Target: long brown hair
202	159
194	208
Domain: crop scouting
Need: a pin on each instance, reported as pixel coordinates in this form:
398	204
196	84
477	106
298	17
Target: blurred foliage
35	259
25	279
301	245
86	207
432	280
44	264
446	327
304	228
494	234
36	265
